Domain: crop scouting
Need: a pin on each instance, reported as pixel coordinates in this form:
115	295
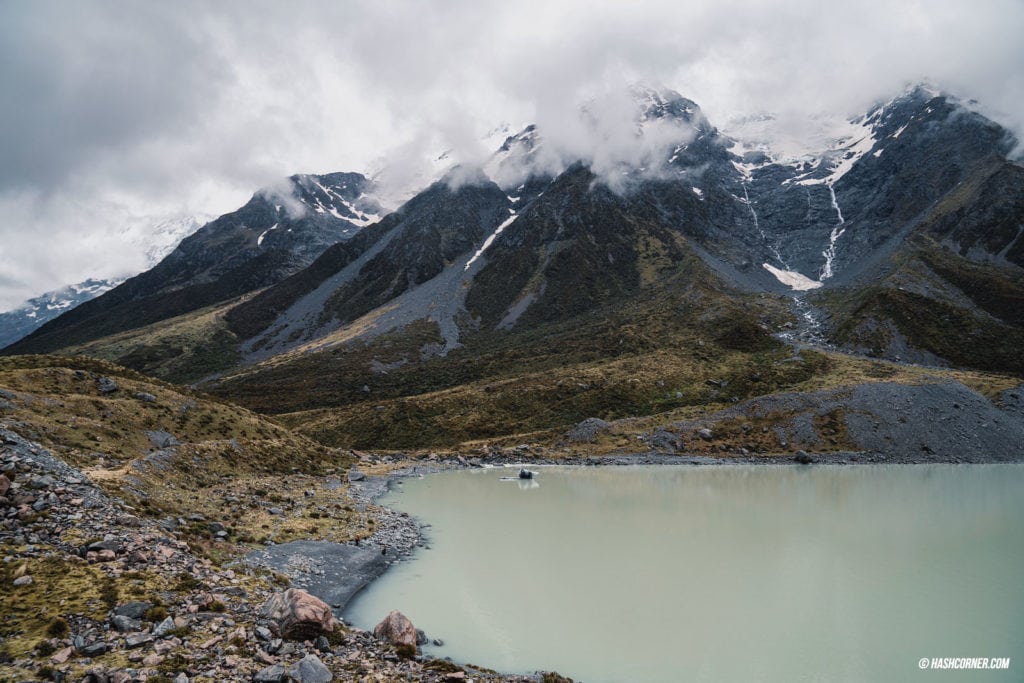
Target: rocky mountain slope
278	232
20	322
161	239
681	258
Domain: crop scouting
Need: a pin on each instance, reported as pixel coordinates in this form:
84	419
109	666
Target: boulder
106	385
134	640
297	615
123	624
133	610
396	629
356	475
803	458
310	669
164	627
5	484
271	674
705	434
162	439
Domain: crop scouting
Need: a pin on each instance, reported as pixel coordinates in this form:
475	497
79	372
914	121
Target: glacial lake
716	573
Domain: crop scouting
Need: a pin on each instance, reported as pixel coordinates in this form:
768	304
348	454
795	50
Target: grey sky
115	113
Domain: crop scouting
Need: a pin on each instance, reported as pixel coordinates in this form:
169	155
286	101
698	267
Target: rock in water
297	615
396	629
803	458
310	669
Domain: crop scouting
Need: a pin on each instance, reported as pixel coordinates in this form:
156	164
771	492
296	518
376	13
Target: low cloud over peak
113	110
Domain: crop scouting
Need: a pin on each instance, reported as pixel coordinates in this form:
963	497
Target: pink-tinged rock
62	656
101	555
297	615
396	629
5	484
152	660
211	642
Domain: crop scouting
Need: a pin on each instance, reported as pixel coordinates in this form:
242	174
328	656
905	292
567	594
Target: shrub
57	628
156	613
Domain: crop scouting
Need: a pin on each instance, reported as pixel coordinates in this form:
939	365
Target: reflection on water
724	573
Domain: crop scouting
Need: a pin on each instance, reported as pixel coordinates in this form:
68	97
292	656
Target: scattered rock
152	659
162	439
297	615
23	581
143	396
587	431
134	610
95	649
62	655
705	433
356	475
164	627
272	674
310	669
123	624
396	629
137	639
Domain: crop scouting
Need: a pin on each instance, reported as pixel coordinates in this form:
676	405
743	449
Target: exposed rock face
396	629
297	615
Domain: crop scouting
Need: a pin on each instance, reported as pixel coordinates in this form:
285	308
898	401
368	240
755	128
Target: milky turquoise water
719	573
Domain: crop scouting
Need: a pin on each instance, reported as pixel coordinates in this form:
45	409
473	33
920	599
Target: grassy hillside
120	439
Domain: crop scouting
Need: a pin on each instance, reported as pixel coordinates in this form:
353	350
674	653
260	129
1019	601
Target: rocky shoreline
92	591
139	604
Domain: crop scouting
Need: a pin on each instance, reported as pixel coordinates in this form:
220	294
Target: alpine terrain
688	294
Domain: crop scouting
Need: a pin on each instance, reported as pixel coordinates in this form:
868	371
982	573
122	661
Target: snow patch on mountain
791	278
22	321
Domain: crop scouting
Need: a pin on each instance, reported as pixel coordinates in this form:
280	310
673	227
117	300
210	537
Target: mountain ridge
900	242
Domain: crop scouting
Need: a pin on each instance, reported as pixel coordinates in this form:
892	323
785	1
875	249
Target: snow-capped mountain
155	241
21	321
913	206
281	230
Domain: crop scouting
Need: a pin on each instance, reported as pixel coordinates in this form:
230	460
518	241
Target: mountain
38	310
278	232
161	238
663	266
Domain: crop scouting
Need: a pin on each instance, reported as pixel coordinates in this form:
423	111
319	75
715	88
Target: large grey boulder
310	669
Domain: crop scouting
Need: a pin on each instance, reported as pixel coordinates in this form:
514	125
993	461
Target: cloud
113	110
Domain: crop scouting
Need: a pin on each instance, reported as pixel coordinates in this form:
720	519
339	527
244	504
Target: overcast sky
114	114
